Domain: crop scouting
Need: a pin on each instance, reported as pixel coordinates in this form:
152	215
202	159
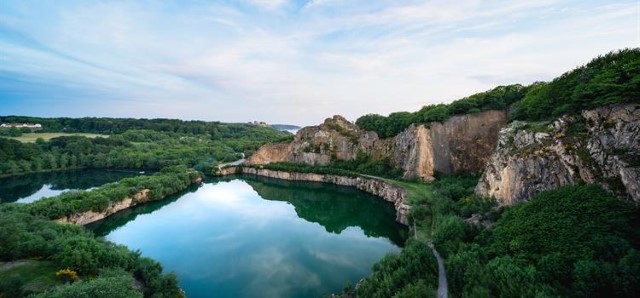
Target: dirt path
442	274
11	265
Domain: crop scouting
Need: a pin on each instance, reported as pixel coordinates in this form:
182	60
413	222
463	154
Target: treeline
575	241
159	185
103	268
498	98
133	149
609	79
119	125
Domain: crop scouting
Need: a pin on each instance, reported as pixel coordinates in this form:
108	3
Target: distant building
256	123
21	125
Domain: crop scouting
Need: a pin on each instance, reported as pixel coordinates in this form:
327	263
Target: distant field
31	137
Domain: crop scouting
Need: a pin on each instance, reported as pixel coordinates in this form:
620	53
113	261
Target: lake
258	237
32	187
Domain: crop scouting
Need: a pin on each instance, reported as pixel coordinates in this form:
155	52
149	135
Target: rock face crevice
378	187
599	146
460	144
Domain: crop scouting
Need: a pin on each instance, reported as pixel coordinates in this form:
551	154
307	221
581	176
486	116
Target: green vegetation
133	149
609	79
46	136
499	98
27	276
105	269
575	241
159	185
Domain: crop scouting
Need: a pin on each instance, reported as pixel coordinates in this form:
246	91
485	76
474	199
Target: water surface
32	187
257	237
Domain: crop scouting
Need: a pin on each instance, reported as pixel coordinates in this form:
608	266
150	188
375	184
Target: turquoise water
249	237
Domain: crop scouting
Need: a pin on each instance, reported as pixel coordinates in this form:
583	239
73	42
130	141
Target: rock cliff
378	187
599	146
460	144
87	217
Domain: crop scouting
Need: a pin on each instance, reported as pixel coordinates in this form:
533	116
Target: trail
233	163
442	274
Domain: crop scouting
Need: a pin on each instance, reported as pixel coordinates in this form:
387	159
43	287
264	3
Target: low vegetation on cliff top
609	79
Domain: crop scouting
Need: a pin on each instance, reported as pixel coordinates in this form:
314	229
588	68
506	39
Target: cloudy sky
288	61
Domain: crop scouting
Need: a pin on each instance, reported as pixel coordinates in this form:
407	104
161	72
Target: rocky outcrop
336	138
375	186
460	144
599	146
270	153
87	217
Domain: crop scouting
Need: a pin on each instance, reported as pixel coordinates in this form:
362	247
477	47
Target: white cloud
221	62
268	4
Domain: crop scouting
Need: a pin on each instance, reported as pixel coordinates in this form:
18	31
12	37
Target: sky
288	61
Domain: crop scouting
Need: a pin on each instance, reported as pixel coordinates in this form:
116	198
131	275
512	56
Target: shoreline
372	185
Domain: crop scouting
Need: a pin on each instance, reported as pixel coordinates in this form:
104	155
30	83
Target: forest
142	149
576	241
608	79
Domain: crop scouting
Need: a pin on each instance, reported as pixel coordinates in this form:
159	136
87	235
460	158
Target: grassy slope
32	137
31	276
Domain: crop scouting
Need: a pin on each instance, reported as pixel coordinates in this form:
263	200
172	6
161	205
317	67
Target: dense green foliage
159	185
575	241
609	79
133	149
104	268
119	125
580	240
395	274
498	98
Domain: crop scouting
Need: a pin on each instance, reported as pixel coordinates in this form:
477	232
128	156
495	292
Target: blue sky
285	61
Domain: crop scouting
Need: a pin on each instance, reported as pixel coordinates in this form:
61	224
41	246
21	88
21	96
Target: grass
30	276
32	137
417	192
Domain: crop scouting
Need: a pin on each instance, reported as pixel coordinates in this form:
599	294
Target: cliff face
460	144
389	192
600	146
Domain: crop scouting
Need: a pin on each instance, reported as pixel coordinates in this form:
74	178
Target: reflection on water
29	188
252	237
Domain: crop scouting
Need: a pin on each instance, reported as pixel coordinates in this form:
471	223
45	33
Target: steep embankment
460	144
375	186
84	207
598	146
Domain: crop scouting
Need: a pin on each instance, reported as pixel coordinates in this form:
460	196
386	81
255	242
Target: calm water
30	188
256	237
